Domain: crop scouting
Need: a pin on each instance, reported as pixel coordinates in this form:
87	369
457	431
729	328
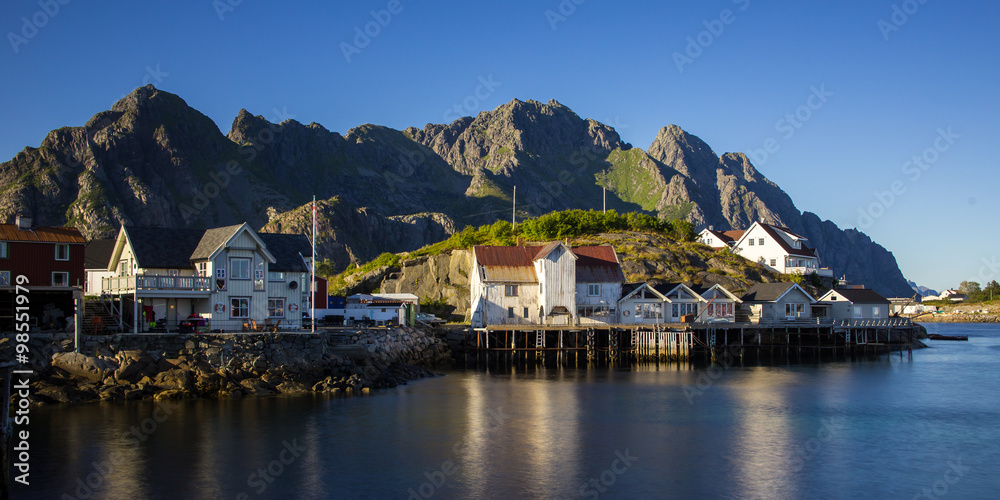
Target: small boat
935	336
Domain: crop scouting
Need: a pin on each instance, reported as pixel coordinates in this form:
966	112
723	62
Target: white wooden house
776	302
95	264
641	304
720	304
682	301
780	249
227	276
856	303
549	285
719	239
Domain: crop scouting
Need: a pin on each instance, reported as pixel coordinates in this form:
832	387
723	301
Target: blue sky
890	89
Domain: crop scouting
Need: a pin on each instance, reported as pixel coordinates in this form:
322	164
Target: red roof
595	264
598	264
41	234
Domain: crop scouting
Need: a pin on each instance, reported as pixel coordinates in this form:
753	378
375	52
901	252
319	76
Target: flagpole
513	210
312	281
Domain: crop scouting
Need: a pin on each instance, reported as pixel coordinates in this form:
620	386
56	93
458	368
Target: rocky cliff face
153	160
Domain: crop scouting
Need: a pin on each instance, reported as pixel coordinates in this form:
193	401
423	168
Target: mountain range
153	160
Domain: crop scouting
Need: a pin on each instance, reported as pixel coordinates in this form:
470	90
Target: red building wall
37	261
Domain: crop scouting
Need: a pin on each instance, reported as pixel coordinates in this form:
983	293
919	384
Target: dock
800	338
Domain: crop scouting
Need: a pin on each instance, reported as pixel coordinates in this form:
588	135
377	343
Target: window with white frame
774	262
203	269
239	307
60	278
794	309
594	290
876	312
796	244
62	252
276	308
4	250
510	291
240	269
4	278
275	276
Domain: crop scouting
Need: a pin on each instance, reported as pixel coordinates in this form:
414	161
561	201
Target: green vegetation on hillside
559	225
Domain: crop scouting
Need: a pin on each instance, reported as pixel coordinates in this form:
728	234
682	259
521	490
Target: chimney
520	241
23	222
711	227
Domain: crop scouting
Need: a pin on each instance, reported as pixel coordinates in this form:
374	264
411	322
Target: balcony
117	285
825	272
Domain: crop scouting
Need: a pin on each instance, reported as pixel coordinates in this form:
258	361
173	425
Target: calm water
880	429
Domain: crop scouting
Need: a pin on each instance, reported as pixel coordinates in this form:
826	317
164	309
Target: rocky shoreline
959	318
130	367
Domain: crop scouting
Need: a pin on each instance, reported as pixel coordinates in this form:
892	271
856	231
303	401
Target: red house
51	258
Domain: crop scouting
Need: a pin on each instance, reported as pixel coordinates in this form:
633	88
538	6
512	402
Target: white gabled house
641	304
780	249
719	239
229	276
775	302
550	285
720	304
856	303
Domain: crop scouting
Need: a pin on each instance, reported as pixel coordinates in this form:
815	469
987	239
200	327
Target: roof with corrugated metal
41	234
98	253
508	264
597	264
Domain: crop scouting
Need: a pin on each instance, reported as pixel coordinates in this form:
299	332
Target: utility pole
604	190
513	210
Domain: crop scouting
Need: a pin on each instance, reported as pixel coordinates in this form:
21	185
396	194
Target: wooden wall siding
244	240
632	319
842	309
610	293
496	304
557	273
37	261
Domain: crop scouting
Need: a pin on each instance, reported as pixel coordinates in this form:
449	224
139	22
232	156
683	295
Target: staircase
92	309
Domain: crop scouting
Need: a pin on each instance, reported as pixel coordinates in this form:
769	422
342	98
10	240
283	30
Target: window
674	312
220	273
275	276
241	268
760	241
751	241
796	244
525	313
60	278
239	307
173	272
510	312
510	291
774	262
62	252
203	269
3	250
276	308
123	268
596	311
792	309
876	312
4	278
857	311
594	290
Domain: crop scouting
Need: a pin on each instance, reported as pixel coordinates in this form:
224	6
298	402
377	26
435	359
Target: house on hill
856	303
773	302
231	277
719	239
780	249
548	285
